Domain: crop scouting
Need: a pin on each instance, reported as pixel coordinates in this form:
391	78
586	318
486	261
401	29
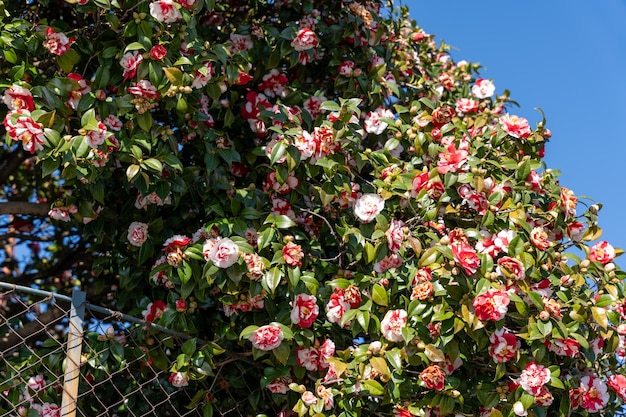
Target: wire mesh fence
114	365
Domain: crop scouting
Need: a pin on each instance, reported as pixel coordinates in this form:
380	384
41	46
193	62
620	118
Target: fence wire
125	366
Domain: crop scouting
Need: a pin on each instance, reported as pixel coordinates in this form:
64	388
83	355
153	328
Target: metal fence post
74	349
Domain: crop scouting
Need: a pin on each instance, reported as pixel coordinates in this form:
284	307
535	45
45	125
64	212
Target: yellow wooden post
72	360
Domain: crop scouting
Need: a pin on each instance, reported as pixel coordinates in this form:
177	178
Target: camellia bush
314	188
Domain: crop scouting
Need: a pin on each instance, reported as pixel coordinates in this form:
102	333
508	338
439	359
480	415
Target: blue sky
569	59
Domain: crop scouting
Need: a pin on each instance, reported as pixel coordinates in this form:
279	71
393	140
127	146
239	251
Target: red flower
433	377
492	305
503	346
618	384
305	39
602	252
267	337
158	52
292	254
305	310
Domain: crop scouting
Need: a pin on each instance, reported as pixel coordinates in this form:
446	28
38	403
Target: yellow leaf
599	315
416	245
340	367
380	365
434	354
174	75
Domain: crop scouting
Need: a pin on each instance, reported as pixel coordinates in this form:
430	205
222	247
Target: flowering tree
316	187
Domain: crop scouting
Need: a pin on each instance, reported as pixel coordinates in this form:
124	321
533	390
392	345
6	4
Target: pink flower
240	43
368	206
308	398
96	137
308	358
137	233
305	310
433	377
113	122
267	337
154	311
176	242
280	385
373	122
618	384
392	324
76	95
179	379
492	305
346	68
158	52
59	213
336	308
56	42
165	11
466	105
292	254
504	346
18	98
47	410
564	347
273	84
224	253
187	4
144	88
130	62
575	231
305	39
312	105
602	252
539	238
483	88
21	127
395	235
452	159
37	382
594	396
203	75
463	253
515	126
533	378
388	262
511	268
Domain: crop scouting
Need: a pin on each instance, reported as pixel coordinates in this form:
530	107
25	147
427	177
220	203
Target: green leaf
134	46
68	60
272	277
373	387
379	295
144	120
132	171
49	166
189	347
174	75
153	164
283	222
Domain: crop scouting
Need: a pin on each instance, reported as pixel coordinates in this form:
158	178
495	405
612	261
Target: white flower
368	206
137	233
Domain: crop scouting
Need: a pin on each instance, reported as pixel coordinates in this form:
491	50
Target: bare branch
24	207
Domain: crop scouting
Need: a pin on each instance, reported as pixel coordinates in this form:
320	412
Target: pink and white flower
57	43
368	206
305	39
504	345
280	385
21	127
395	235
492	305
511	268
483	88
37	382
392	324
373	122
165	11
533	378
223	253
602	252
179	379
617	383
515	126
18	98
267	337
130	62
312	105
593	393
388	262
273	84
137	233
240	43
305	310
336	308
308	358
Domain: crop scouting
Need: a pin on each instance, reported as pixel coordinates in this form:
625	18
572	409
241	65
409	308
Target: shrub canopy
317	186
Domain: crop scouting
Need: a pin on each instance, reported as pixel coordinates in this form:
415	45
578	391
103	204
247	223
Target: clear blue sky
569	59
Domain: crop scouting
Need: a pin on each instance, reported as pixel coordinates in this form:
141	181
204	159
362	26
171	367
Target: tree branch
35	329
11	163
24	207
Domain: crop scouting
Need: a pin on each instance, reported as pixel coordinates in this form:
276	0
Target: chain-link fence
61	356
